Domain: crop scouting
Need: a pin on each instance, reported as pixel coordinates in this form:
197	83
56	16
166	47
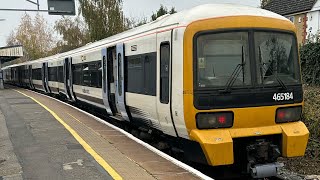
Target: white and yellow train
221	81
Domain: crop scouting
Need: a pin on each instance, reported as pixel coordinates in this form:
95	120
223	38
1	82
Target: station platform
42	138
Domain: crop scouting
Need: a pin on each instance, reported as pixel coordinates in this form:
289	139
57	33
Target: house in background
305	14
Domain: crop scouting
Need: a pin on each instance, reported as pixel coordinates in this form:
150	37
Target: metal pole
35	10
25	10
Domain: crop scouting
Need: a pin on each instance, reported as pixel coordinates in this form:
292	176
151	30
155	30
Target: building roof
10	53
286	7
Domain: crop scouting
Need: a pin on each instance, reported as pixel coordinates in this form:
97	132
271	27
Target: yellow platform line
85	145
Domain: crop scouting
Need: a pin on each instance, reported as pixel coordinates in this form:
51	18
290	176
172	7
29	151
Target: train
221	81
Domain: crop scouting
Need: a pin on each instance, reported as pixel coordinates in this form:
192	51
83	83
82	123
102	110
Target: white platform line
151	148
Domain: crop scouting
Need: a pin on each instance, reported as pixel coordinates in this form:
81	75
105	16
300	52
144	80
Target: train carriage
222	81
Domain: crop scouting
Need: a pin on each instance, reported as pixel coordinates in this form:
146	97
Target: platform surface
42	138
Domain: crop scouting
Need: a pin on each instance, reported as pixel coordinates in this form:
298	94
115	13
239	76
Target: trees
74	34
100	19
104	18
35	35
263	3
162	11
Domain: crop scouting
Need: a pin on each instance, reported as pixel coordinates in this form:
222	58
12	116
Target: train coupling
265	170
262	156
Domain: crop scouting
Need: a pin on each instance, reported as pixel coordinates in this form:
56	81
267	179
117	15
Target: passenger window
119	74
99	72
164	72
85	75
77	74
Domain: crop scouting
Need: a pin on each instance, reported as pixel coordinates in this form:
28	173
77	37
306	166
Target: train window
86	79
120	79
36	74
135	81
221	58
142	74
94	74
77	70
60	74
150	72
89	74
277	58
164	72
99	85
52	74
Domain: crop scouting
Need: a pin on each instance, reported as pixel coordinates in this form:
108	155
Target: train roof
182	18
185	17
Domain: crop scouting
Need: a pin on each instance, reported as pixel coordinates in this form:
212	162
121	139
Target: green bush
310	63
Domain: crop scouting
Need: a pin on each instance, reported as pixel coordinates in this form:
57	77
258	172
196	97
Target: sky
136	9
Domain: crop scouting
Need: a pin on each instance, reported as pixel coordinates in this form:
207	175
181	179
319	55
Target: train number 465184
283	96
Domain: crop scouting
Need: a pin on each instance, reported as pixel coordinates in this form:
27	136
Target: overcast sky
132	8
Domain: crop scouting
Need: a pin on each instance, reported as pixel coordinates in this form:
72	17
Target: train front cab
233	95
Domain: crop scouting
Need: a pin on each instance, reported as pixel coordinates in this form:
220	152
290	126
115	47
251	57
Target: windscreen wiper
277	78
234	74
271	70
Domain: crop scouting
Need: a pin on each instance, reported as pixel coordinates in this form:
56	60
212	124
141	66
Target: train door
30	77
19	74
111	76
67	75
105	89
120	85
164	82
43	76
70	80
46	77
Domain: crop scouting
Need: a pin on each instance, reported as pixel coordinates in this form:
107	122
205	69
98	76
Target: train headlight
214	120
288	114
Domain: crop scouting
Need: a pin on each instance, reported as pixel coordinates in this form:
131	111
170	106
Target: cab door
164	82
120	93
105	91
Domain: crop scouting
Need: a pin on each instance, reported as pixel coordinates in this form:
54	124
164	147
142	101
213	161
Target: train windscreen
222	56
228	60
276	58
